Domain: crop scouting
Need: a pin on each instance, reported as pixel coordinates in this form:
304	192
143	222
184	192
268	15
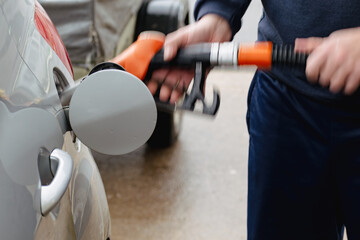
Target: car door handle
52	193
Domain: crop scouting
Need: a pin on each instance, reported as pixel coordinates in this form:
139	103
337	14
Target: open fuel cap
112	112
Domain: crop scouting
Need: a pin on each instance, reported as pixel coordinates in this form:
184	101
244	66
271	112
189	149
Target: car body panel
32	120
32	74
89	206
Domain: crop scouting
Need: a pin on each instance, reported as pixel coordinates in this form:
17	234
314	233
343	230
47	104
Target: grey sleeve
231	10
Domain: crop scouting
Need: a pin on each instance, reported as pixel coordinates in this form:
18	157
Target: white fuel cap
112	112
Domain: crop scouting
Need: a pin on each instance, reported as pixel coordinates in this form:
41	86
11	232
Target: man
304	163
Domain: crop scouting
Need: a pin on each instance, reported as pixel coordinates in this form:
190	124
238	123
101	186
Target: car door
34	170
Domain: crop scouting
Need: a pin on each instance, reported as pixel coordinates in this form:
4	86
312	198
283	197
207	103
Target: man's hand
210	28
334	61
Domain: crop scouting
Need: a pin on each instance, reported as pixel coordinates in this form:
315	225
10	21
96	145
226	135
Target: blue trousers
304	165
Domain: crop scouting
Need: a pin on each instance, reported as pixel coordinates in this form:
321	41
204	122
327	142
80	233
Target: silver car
50	186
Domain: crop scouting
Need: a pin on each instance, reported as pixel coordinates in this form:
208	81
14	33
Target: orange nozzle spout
258	54
136	58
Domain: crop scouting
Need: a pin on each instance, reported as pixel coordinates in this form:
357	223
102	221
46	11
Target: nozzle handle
186	57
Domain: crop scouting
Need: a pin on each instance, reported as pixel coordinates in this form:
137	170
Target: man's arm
217	21
210	28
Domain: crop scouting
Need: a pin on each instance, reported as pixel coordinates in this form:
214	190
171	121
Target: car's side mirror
112	112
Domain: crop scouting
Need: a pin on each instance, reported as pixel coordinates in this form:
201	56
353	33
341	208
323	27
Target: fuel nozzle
146	55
